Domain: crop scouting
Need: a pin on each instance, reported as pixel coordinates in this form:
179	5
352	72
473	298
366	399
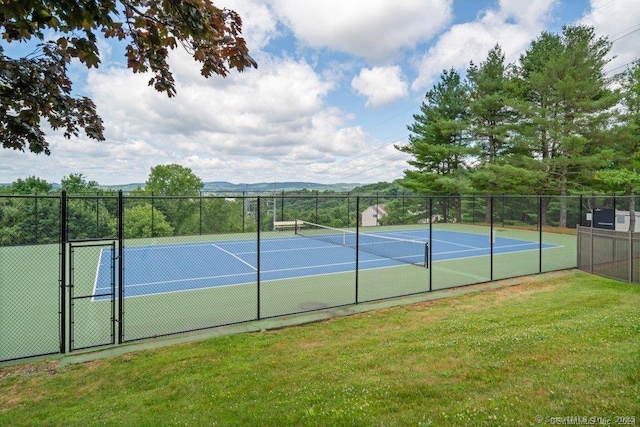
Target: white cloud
529	14
513	25
259	25
271	116
380	85
374	29
264	125
378	163
620	21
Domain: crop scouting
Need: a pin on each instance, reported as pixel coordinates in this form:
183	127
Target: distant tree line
92	212
170	203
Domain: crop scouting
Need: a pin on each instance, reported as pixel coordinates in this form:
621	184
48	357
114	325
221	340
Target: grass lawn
522	355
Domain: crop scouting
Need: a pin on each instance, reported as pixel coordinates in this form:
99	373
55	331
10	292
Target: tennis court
160	269
61	286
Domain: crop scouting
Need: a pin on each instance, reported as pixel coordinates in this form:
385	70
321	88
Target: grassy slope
566	347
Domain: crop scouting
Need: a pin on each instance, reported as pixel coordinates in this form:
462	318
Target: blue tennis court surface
162	269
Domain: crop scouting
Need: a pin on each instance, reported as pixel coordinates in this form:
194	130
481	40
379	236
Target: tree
489	114
37	86
173	180
215	215
142	221
29	219
505	179
623	174
88	212
567	109
30	185
437	143
76	183
491	117
387	188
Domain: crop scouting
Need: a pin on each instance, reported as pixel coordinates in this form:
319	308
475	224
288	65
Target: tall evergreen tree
437	143
490	117
567	107
623	174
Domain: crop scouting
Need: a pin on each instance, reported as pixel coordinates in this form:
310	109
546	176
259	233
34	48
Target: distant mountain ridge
276	186
224	186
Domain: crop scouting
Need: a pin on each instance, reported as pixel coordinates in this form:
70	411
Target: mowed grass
520	355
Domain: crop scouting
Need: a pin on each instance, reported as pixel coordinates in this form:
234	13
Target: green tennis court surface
296	274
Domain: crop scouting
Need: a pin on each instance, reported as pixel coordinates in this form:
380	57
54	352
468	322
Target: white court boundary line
95	280
235	256
381	259
261	281
205	244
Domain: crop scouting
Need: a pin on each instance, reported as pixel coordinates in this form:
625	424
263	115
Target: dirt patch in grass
17	393
29	370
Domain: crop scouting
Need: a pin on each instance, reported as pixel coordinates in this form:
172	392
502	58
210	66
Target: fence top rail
607	233
30	196
94	197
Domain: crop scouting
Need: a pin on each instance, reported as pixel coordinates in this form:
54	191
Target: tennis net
402	250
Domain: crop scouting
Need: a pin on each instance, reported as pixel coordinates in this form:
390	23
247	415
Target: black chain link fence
82	271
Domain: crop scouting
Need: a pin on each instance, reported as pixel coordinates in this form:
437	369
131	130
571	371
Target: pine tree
567	107
438	143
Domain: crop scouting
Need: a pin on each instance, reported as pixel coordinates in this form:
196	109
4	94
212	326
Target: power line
365	167
389	118
620	66
620	32
626	35
341	163
374	166
588	14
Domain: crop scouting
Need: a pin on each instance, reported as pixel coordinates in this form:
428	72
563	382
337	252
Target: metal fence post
282	207
258	217
35	215
316	220
404	212
63	271
200	200
97	215
591	247
120	267
152	216
630	253
473	208
540	234
430	254
357	245
491	238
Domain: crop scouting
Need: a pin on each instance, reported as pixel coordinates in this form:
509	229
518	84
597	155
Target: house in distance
372	214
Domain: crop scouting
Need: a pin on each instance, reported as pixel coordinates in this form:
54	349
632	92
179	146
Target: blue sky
337	84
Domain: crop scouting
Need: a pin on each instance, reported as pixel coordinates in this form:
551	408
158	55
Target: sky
337	84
